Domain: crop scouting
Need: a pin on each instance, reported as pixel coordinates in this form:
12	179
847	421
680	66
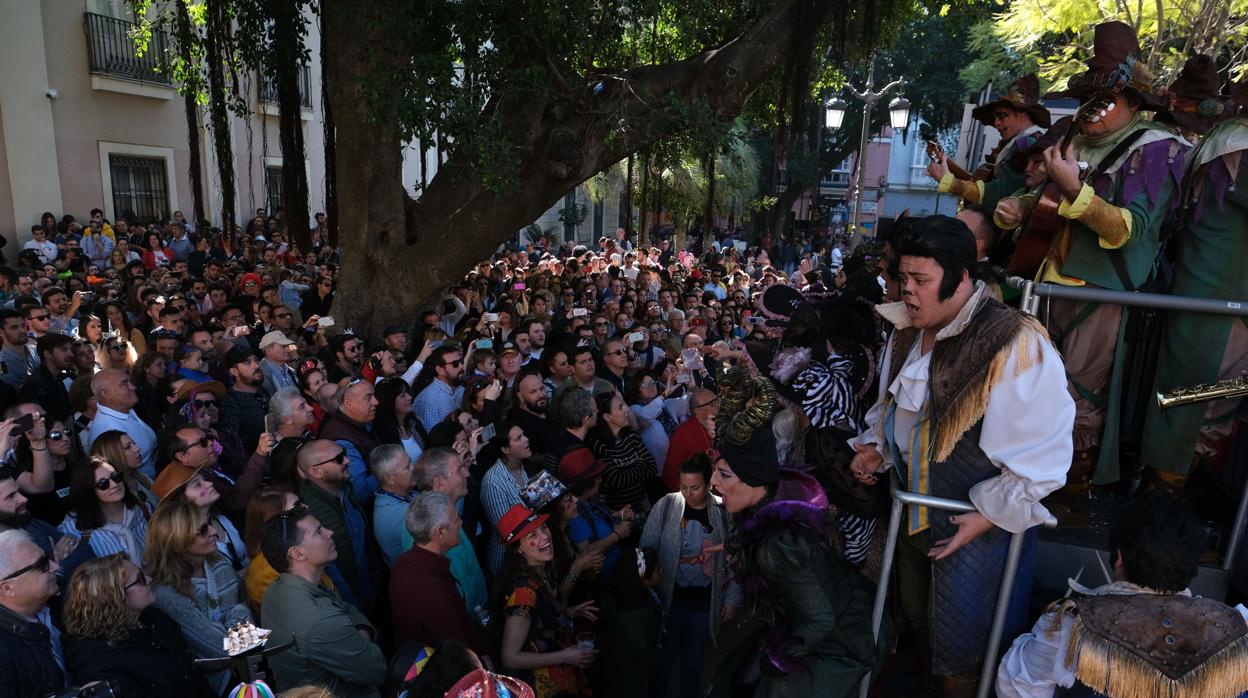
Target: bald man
116	397
325	487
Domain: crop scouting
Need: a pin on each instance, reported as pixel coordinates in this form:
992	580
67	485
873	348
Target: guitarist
1020	118
1112	215
1013	210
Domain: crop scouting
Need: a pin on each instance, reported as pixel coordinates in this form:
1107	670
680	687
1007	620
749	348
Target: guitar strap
1115	256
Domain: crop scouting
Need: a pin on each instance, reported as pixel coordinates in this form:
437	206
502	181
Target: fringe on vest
971	406
1116	672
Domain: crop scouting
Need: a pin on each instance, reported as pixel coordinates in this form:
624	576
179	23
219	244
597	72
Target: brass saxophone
1231	387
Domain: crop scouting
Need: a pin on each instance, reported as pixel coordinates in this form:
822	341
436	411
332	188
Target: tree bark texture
287	67
186	42
415	248
216	27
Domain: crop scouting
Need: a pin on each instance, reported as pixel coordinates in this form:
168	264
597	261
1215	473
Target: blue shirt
128	423
390	525
603	523
435	402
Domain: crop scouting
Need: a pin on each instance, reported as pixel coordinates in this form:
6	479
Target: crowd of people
616	471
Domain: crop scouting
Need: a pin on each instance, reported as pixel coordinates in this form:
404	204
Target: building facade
84	123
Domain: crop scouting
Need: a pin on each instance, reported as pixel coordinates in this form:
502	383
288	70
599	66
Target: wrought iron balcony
268	88
111	51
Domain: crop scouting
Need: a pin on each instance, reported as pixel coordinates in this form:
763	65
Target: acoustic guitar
1043	224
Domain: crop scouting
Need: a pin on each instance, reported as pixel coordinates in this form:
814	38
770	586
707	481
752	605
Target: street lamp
899	114
898	117
834	113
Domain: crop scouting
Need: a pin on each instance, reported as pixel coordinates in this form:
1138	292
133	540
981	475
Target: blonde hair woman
113	633
194	584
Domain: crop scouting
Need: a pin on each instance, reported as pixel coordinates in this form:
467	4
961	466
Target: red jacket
424	603
688	439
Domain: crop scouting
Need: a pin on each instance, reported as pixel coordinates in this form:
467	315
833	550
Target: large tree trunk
331	160
217	26
186	42
415	248
287	70
708	214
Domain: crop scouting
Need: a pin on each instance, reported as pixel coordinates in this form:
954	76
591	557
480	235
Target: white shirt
108	419
1026	430
1035	665
46	250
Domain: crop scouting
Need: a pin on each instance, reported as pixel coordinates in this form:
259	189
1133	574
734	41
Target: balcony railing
112	52
268	88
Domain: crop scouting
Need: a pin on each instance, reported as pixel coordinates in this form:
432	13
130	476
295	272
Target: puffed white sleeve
1027	433
1035	665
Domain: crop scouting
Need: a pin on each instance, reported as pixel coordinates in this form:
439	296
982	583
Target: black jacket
27	665
49	392
153	660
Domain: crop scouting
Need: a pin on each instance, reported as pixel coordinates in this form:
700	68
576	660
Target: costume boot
1072	505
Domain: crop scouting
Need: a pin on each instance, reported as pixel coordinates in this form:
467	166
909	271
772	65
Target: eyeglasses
649	383
140	581
43	564
203	442
281	316
204	404
712	401
105	482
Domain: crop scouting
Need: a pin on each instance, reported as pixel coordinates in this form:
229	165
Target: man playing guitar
1020	118
1112	214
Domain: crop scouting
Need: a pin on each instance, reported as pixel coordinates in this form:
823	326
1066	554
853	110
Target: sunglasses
204	530
56	435
140	581
203	442
340	458
119	348
39	317
456	362
105	482
43	564
204	404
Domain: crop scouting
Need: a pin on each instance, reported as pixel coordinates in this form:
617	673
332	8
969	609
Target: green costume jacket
1212	263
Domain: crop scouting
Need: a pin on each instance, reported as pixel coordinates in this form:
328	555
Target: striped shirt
499	492
629	465
126	537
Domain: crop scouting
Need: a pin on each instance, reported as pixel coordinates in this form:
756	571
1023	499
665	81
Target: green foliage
1055	36
573	214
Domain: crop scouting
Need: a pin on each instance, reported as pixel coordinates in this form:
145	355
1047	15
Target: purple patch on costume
1155	166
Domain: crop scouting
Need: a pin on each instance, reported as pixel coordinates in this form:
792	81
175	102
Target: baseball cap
274	337
508	348
236	356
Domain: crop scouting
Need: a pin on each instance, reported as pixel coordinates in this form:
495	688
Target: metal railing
1032	292
268	88
111	51
900	499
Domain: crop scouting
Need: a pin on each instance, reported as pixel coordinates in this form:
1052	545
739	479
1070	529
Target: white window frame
108	148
